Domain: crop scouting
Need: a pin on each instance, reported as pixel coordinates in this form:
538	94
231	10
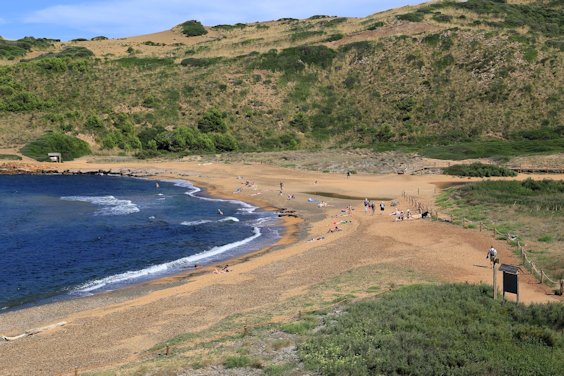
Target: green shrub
10	157
19	101
439	330
411	17
229	27
101	37
294	60
213	120
145	62
13	49
335	22
375	25
54	142
530	54
241	361
441	17
334	37
193	28
199	62
71	52
224	142
478	170
299	35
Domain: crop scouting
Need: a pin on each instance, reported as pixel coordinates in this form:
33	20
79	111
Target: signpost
510	279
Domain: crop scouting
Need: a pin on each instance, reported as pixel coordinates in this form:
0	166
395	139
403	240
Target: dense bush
478	170
17	101
101	37
193	28
439	330
54	142
213	121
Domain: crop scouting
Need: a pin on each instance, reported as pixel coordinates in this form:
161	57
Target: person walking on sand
382	208
373	207
366	204
492	254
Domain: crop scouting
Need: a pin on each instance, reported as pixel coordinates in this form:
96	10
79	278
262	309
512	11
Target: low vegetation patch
536	195
145	62
295	59
10	157
54	142
478	170
12	49
439	330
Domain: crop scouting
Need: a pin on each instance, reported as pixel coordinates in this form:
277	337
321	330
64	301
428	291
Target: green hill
440	73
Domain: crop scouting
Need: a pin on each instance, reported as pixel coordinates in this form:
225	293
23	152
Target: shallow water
65	236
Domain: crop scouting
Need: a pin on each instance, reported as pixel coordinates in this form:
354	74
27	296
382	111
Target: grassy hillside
429	75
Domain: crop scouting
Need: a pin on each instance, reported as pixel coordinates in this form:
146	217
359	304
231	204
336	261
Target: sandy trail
115	328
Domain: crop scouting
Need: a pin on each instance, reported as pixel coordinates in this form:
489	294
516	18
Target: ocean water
69	236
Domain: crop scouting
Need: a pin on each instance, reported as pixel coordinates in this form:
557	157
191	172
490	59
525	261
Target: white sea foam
109	204
196	223
229	219
245	209
161	269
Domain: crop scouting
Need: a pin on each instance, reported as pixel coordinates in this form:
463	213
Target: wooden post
494	280
480	226
542	276
494	232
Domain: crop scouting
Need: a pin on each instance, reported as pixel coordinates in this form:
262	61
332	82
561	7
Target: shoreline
288	226
114	328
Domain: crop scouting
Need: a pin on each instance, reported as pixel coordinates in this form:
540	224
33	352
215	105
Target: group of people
371	205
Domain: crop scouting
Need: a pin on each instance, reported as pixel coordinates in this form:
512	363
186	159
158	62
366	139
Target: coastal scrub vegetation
461	90
529	209
431	330
478	170
55	142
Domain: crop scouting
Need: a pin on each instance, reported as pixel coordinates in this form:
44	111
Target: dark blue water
64	236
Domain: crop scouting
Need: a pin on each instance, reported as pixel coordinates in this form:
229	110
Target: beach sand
117	327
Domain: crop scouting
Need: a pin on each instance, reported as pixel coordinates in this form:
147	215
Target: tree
213	121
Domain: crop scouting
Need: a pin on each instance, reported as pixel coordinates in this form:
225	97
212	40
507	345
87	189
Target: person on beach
348	174
373	207
492	254
366	205
382	206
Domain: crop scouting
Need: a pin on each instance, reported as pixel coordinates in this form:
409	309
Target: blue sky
69	19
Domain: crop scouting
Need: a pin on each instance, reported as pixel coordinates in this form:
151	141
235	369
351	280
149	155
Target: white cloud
132	17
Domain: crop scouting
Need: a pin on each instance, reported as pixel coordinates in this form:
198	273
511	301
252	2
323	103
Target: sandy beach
117	327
